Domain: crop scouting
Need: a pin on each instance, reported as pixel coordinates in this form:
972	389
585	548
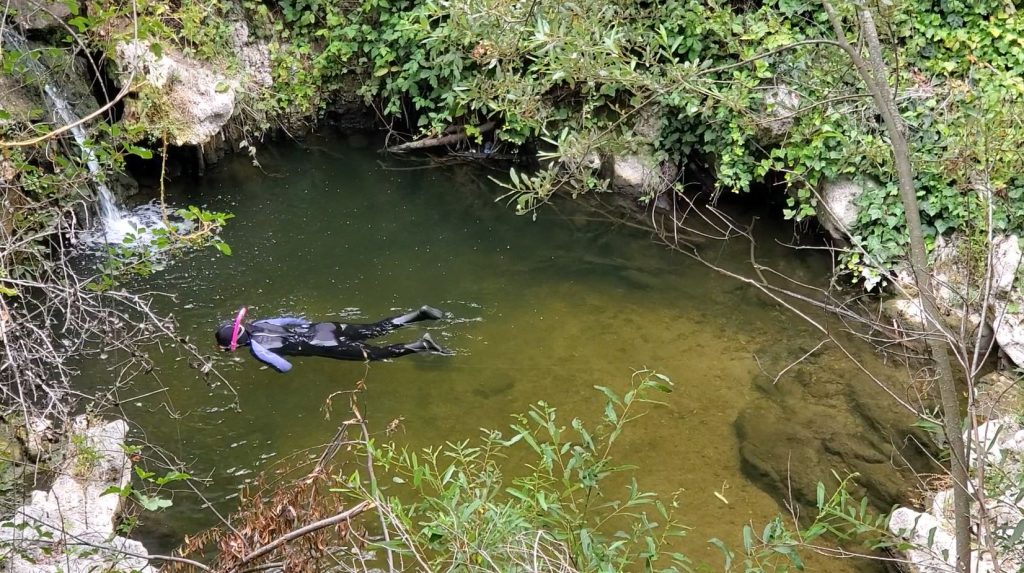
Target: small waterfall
115	224
110	215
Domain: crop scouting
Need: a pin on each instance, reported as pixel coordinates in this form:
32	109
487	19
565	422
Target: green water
540	309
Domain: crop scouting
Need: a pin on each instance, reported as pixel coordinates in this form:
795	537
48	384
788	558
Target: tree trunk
876	80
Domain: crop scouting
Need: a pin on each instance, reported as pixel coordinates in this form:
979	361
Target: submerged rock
816	420
72	527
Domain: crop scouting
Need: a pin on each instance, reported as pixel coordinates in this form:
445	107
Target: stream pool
539	310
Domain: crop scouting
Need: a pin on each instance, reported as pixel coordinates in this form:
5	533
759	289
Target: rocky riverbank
73	526
999	518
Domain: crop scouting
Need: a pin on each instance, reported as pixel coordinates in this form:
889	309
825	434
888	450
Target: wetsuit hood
223	335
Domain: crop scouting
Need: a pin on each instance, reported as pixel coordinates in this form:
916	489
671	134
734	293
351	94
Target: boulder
931	533
72	527
199	99
641	175
780	106
935	547
837	205
32	15
816	420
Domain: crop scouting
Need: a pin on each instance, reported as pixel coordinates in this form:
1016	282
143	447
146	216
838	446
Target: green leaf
139	151
1018	532
725	552
171	477
121	491
152	503
223	247
6	291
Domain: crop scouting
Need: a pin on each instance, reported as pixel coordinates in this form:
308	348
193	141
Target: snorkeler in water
269	338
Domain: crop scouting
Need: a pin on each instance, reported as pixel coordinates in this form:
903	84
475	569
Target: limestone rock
989	436
641	175
254	55
999	394
1009	315
1006	259
39	14
38	436
935	550
837	205
71	527
202	99
957	290
1002	440
907	314
781	104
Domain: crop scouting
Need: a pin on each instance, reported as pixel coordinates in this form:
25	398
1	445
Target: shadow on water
541	310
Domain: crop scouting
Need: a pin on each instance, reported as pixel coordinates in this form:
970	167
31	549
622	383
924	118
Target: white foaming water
139	223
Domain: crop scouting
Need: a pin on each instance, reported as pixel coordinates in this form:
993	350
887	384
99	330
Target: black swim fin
427	344
424	313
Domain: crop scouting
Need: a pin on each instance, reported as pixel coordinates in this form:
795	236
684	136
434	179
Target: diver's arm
269	358
284	321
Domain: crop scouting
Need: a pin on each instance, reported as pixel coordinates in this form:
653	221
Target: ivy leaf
142	152
152	503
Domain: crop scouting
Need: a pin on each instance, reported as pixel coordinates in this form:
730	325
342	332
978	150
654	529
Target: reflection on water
540	310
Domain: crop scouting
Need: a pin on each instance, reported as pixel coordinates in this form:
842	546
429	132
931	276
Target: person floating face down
270	338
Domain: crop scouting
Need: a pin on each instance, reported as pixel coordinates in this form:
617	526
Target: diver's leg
425	344
363	331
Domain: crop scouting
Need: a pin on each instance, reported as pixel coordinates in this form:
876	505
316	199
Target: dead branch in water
440	141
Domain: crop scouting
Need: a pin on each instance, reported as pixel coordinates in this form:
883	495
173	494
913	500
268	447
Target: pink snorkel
236	329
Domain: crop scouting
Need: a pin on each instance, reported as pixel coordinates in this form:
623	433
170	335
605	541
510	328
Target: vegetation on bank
719	77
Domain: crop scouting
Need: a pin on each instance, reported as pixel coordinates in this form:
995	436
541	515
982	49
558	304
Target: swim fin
424	313
427	344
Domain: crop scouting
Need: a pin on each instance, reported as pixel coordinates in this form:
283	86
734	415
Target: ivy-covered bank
754	89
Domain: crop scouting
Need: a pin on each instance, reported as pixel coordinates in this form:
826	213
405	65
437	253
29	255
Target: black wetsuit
270	338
